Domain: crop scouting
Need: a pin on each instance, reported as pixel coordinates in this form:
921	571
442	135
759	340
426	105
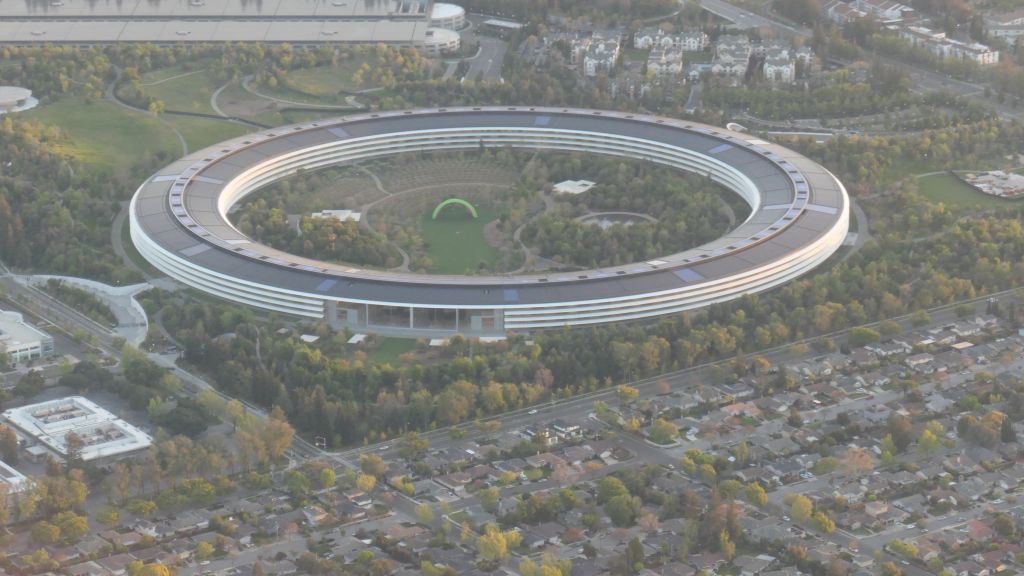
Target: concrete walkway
132	324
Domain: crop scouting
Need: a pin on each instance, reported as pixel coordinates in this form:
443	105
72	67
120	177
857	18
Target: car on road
384	447
532	412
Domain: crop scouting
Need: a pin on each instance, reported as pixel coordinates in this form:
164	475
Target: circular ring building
799	217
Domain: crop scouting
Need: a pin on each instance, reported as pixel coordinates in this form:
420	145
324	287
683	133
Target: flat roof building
573	187
22	341
14	480
102	434
342	215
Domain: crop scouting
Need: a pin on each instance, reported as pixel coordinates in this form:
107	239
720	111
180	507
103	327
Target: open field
328	80
456	242
106	135
389	350
203	132
189	93
958	196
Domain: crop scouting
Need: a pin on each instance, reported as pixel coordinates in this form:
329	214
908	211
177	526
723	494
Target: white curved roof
12	94
445	10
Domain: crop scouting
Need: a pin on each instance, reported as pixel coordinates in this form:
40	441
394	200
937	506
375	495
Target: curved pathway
351	101
213	100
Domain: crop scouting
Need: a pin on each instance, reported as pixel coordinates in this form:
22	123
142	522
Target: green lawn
390	349
203	132
186	94
104	134
958	196
328	80
902	168
455	241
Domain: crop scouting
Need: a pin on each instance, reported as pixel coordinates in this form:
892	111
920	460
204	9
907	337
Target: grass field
957	196
390	349
327	80
202	132
455	241
189	93
104	134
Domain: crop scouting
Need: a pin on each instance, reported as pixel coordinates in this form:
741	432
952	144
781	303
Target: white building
732	53
600	57
440	41
885	10
841	12
665	62
341	215
654	37
1008	26
944	47
15	481
102	434
22	341
447	16
16	99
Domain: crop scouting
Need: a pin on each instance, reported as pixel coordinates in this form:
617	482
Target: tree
372	464
8	445
204	551
663	432
1003	525
928	443
794	419
824	523
756	495
627	393
634	555
726	546
493	544
109	517
1006	431
901	429
144	508
412	446
29	385
489	498
328	478
366	482
297	483
609	487
662	387
622	509
156	569
920	318
729	489
72	526
425	514
5	510
278	434
860	336
857	461
801	508
44	532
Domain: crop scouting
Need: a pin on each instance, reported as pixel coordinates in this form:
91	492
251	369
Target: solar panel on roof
688	275
339	132
542	120
326	285
720	148
511	295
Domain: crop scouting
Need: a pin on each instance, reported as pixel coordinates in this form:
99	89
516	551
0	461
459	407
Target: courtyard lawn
190	93
390	350
455	241
958	196
106	135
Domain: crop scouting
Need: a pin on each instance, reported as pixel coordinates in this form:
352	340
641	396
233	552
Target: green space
389	351
104	134
328	80
901	168
958	196
636	54
455	241
202	132
158	74
296	98
189	93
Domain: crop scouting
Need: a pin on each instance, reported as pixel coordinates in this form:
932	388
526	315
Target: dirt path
158	82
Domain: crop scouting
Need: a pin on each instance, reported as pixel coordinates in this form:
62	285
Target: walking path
111	94
132	324
158	82
350	104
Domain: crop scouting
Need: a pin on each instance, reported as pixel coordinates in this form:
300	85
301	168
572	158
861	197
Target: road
486	64
743	18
